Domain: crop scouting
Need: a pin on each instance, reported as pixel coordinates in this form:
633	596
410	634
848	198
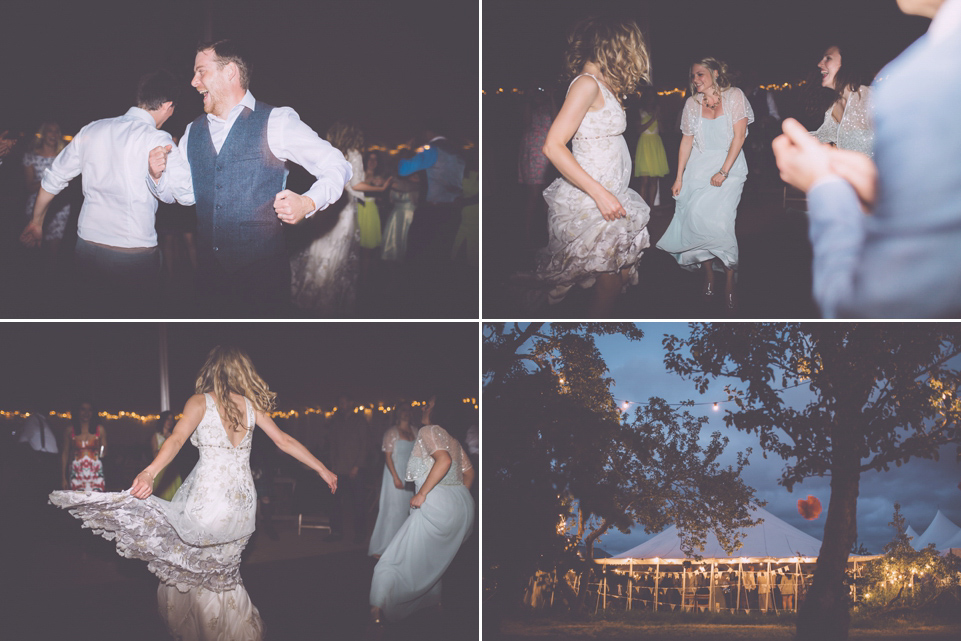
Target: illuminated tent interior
774	565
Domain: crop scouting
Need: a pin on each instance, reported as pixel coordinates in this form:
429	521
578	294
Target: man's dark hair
156	88
225	52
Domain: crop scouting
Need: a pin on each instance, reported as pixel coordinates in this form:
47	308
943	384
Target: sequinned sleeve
390	437
434	437
738	106
856	131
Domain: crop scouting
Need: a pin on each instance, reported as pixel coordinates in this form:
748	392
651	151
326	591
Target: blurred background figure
650	157
404	196
364	185
84	446
168	480
395	498
533	168
468	233
37	456
49	142
176	226
348	438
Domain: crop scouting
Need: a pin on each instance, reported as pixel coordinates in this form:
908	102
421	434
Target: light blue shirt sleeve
420	161
837	232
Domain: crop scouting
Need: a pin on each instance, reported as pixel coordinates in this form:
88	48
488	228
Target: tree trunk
588	565
824	614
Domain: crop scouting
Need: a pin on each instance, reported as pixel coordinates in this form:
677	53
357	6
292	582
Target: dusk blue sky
921	486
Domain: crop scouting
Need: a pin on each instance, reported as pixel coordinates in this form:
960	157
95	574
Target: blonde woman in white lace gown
597	227
193	543
408	576
847	122
711	171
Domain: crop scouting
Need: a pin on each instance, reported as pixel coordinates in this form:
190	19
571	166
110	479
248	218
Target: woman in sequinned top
847	121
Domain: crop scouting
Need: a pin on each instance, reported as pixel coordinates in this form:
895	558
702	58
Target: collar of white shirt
141	114
247	101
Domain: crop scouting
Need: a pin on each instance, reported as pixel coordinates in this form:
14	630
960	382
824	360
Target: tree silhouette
880	394
555	440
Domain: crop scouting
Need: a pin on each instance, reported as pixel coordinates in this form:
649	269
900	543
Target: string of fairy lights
369	408
715	405
783	86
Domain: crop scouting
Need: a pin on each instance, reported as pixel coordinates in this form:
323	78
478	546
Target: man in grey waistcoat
231	163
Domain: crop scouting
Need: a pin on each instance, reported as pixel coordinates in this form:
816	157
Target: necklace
709	105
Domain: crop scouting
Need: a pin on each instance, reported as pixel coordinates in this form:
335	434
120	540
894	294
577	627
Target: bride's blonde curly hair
719	71
616	46
228	369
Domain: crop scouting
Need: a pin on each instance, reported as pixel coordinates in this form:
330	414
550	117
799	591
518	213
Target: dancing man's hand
609	206
142	485
330	479
157	161
292	208
860	171
801	159
32	235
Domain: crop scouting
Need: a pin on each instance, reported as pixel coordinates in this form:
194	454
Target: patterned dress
581	243
194	542
57	216
86	468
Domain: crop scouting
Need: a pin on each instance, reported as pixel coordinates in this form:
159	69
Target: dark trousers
117	282
260	289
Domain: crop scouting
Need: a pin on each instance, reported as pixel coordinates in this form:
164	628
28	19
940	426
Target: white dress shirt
118	209
288	138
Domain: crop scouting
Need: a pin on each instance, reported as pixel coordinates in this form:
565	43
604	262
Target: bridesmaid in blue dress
711	171
394	495
408	576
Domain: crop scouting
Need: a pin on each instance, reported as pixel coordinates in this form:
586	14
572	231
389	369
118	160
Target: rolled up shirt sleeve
291	139
65	167
420	161
837	232
176	183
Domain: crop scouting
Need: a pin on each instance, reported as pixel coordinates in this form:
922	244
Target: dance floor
65	583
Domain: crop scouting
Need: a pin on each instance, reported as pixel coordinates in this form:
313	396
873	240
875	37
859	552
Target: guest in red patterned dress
84	445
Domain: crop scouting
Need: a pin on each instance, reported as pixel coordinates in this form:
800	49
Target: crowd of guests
598	225
229	238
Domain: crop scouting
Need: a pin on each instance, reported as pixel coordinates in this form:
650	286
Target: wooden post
605	587
657	582
630	583
710	592
740	568
683	587
554	586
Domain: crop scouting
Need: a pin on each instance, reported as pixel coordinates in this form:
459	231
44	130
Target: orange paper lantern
809	508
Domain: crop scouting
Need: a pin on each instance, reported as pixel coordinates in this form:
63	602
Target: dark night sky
780	41
387	66
307	364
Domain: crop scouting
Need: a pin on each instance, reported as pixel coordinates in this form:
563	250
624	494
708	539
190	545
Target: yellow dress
650	159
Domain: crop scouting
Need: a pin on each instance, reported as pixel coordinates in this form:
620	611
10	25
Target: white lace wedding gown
192	543
581	243
408	576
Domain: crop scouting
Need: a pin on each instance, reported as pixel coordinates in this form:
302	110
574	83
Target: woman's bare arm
193	413
442	463
289	445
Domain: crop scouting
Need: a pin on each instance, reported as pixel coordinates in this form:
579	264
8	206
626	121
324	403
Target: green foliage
905	578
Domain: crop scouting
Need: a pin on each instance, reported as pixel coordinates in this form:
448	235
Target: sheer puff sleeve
690	117
738	106
434	437
390	437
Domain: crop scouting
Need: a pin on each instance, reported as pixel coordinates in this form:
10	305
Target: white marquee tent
939	532
774	538
914	537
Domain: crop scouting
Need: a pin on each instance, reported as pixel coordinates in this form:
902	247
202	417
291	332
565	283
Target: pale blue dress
394	503
704	215
408	576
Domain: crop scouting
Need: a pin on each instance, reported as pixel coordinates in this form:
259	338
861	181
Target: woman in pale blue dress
710	176
394	496
408	576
